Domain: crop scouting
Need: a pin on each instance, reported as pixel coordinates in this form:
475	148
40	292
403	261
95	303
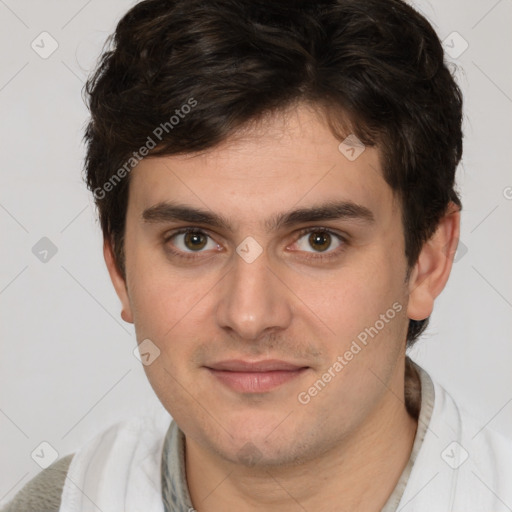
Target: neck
359	475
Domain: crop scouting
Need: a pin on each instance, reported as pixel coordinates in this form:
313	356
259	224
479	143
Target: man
277	225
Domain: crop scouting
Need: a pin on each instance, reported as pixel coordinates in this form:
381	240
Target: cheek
364	301
163	308
160	296
351	295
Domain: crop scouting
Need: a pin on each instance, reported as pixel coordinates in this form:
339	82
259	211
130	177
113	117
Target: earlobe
430	274
118	281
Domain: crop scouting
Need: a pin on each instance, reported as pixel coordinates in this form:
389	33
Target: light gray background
67	370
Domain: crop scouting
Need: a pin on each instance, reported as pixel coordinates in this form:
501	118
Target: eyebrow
333	210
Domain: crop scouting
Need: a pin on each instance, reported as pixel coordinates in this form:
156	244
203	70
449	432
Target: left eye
320	240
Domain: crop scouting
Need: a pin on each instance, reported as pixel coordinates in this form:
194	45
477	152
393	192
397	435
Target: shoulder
473	428
42	493
120	464
479	457
489	449
468	426
463	464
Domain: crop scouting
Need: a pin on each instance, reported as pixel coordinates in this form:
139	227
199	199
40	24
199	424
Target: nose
254	300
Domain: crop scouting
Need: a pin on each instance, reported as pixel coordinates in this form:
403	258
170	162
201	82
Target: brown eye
195	241
320	240
319	243
188	241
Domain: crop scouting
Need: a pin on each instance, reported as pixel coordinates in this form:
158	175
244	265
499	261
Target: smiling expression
253	266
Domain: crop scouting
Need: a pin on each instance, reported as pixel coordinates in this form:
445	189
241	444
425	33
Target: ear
118	281
431	272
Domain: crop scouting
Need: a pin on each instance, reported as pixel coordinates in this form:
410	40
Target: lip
255	376
267	365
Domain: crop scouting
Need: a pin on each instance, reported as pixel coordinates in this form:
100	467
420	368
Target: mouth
255	377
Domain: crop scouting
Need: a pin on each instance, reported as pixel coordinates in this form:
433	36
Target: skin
346	448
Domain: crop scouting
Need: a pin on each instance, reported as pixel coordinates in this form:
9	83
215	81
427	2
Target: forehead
286	161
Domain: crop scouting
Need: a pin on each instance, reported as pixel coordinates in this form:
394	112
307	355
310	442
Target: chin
253	447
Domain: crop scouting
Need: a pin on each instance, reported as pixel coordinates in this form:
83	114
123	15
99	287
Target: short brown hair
379	62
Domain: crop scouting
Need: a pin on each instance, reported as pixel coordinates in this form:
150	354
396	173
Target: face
272	327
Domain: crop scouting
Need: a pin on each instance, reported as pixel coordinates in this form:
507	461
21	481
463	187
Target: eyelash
316	257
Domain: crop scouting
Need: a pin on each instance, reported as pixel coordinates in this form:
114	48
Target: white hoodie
457	464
